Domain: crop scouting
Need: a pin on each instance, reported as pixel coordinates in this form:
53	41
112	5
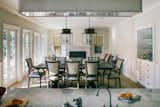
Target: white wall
125	43
12	4
77	37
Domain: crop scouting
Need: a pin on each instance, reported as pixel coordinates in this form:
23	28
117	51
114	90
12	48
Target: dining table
103	68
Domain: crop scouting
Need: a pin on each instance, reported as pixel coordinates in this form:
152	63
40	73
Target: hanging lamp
66	34
89	34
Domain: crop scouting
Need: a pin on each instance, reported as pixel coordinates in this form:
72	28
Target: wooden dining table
103	68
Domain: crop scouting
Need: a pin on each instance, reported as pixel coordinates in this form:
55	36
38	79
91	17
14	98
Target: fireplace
77	54
77	51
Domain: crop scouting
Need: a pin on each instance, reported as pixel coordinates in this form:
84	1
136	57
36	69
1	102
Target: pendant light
89	34
66	35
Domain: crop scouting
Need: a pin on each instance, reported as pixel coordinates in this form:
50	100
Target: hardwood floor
125	83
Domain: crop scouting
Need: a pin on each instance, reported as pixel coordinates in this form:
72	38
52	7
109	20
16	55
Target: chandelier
88	37
66	35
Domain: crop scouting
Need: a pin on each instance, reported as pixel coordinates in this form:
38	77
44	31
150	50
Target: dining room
56	53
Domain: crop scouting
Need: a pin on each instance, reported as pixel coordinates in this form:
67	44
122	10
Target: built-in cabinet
145	56
145	73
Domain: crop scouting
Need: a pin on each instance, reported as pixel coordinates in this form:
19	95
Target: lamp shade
89	31
89	36
66	31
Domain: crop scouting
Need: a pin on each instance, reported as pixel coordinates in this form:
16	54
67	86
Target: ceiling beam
80	6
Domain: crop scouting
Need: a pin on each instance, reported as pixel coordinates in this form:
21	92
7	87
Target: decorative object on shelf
66	35
145	43
89	35
98	44
98	49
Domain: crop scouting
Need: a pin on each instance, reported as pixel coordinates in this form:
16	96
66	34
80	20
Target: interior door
9	57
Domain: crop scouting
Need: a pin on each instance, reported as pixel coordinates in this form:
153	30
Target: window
27	48
9	56
37	48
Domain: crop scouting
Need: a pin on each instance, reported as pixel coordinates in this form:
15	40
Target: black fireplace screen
77	54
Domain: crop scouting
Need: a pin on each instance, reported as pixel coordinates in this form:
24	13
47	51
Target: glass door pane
5	58
12	55
37	49
9	57
27	48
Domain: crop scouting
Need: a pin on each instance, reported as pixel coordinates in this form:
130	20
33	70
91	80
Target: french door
27	48
37	48
9	57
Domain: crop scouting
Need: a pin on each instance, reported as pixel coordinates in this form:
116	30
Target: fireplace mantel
85	48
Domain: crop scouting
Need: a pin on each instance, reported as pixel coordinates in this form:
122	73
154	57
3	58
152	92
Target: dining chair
107	57
116	72
93	59
77	59
50	58
62	61
32	72
53	72
72	73
81	63
91	73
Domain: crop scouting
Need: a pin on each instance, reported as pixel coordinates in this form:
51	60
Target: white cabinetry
145	73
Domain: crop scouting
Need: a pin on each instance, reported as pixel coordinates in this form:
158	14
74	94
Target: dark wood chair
53	72
116	72
93	59
91	73
32	72
72	73
62	61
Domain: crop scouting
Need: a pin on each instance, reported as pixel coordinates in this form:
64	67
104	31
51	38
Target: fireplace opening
77	54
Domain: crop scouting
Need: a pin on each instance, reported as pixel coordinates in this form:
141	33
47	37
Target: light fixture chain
66	22
89	21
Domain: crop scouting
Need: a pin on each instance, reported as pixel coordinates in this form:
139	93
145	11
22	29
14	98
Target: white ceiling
148	3
59	22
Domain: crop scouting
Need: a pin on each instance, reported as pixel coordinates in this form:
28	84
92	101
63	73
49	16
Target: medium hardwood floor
125	83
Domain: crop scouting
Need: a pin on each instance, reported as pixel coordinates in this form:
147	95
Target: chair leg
66	83
77	85
96	84
40	81
28	82
85	84
103	81
116	82
119	82
49	84
63	82
108	82
58	84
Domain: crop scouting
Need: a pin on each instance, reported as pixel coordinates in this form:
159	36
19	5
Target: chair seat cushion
34	75
53	78
91	78
72	78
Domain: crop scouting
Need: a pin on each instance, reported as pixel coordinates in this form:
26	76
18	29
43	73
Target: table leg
40	81
103	77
